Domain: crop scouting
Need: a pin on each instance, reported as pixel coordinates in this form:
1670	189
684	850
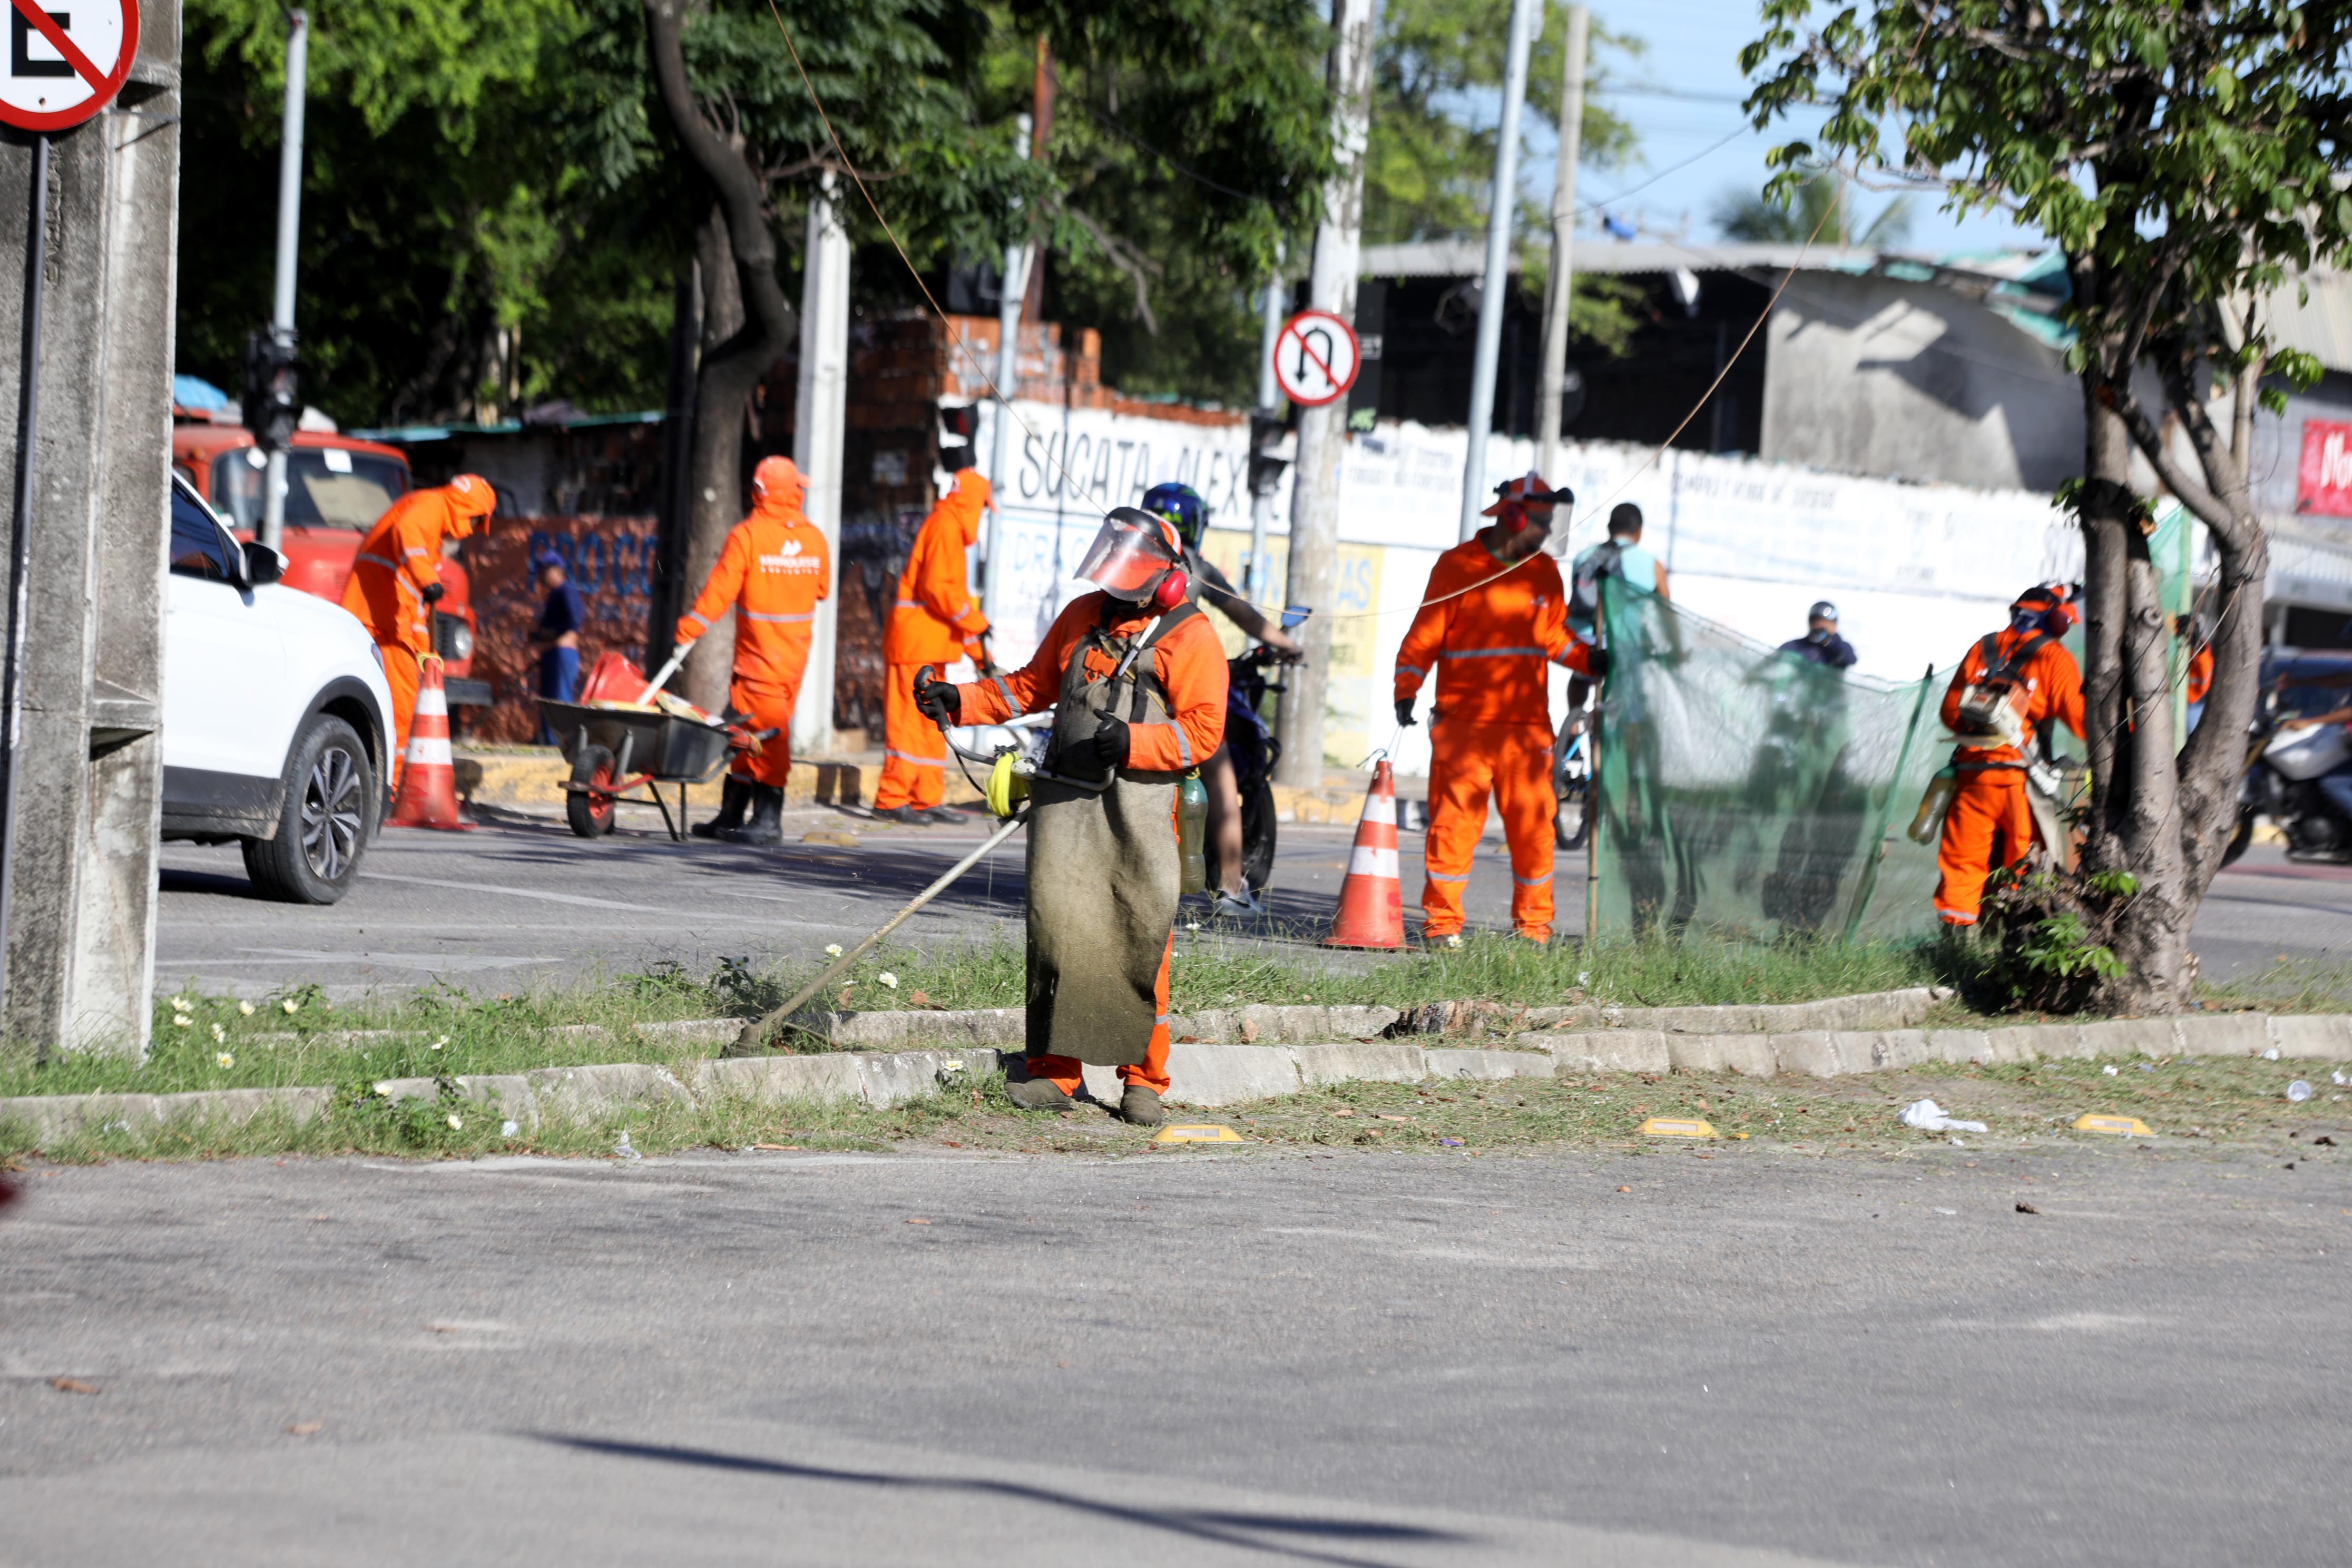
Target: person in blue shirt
1619	556
1821	644
562	617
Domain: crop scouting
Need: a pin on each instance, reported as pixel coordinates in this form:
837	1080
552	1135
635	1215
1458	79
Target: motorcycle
2286	759
1251	743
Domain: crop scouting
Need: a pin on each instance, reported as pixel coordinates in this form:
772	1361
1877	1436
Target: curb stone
1209	1075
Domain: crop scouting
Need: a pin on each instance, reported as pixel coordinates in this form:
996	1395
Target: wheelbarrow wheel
590	809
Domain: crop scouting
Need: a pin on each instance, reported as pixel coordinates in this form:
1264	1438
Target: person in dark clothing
1821	645
556	636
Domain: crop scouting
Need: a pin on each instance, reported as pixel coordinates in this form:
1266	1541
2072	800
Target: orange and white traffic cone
428	776
1372	900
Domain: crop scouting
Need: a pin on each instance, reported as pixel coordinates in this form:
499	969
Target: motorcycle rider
1182	505
1821	644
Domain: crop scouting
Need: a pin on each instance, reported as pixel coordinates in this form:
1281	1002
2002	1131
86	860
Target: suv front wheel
331	803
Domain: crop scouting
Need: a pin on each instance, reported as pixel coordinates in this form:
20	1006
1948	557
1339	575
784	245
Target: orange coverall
773	569
1991	804
1191	664
398	560
2200	674
1490	728
935	622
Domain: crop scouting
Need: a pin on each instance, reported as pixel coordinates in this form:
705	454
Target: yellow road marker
1199	1133
1675	1127
2121	1126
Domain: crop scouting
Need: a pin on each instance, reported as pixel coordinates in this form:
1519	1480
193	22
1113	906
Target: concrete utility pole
1524	19
821	415
1254	580
289	235
1314	571
1563	253
1009	289
85	782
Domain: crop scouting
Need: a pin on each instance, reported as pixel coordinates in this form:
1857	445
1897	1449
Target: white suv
277	718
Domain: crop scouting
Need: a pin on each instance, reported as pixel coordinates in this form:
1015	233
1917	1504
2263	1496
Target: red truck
336	488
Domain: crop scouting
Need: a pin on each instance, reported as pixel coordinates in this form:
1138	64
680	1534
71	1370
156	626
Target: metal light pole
1498	265
290	230
1564	252
1269	400
1009	289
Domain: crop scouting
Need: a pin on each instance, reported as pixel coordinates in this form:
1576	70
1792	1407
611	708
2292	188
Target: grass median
2217	1102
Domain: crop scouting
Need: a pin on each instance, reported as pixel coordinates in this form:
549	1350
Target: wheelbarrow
602	744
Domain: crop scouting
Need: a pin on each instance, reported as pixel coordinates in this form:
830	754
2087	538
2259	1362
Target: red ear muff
1172	591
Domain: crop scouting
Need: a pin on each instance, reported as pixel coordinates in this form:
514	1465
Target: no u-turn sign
67	60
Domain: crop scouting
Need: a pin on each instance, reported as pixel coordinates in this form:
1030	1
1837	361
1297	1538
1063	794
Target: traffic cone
1372	900
428	777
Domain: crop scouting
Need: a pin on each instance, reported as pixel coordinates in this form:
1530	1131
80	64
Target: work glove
1598	658
1111	741
432	592
938	700
1404	710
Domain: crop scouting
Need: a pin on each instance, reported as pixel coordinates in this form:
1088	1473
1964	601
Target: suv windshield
325	486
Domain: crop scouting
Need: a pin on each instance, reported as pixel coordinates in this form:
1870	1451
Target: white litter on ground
1928	1117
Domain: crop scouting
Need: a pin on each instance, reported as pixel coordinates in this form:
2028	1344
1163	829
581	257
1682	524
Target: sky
1691	72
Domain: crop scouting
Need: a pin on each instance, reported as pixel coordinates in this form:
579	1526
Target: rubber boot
1141	1106
733	796
1038	1094
767	824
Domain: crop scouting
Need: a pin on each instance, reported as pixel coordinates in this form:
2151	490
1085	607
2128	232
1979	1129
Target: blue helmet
1182	505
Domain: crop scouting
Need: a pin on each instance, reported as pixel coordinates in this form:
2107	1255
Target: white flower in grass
181	1003
224	1060
441	1042
833	950
245	1009
182	1021
456	1125
219	1034
290	1007
886	978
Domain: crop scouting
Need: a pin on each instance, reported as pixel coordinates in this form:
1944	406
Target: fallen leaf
72	1386
1249	1032
1386	1117
1624	1189
305	1428
2027	1208
1343	1111
918	1221
1188	1039
2323	1137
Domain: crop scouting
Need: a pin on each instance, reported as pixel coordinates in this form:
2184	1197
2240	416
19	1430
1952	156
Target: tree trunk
749	325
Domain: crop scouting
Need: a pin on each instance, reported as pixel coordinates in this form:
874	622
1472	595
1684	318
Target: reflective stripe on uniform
774	620
1410	670
387	564
1183	746
1542	881
1443	877
1493	653
918	761
697	620
1013	709
1365	860
911	604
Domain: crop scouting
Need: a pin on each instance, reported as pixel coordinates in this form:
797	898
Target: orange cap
777	479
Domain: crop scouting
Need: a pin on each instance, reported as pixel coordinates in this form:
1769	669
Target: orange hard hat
777	479
1513	497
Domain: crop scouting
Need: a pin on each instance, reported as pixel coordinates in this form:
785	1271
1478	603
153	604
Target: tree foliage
2186	156
1819	210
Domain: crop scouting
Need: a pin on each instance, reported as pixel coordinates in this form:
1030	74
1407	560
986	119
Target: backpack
1988	706
1584	593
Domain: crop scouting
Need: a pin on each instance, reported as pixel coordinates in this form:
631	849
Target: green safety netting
1750	794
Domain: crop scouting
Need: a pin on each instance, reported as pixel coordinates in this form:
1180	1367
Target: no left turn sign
1316	358
66	64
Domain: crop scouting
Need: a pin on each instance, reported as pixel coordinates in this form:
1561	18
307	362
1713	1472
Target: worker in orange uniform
1495	615
773	570
936	623
396	580
2006	689
2191	629
1136	681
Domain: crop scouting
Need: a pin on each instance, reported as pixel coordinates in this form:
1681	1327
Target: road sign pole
290	234
1499	259
20	576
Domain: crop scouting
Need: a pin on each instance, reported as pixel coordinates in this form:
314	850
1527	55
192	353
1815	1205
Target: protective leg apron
1104	878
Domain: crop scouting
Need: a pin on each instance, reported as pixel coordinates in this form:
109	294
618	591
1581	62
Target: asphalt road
522	903
1749	1358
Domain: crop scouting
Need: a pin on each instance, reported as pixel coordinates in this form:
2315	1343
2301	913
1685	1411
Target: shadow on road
1220	1528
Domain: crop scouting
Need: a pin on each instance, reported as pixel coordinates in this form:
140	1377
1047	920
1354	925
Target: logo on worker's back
787	557
64	66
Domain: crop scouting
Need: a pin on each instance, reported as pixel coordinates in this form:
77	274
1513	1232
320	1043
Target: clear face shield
1130	555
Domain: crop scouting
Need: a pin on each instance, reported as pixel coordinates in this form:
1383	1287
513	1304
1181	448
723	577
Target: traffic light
958	428
273	398
1264	468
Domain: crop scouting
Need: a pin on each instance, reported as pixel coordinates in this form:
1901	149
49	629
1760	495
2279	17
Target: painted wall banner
610	561
2324	485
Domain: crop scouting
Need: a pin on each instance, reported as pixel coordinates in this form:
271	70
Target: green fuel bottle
1193	830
